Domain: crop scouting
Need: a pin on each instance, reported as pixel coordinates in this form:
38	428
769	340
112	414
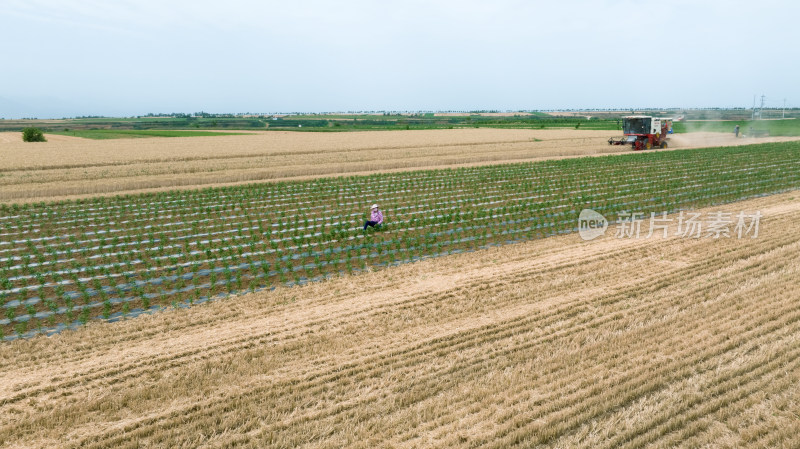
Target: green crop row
62	264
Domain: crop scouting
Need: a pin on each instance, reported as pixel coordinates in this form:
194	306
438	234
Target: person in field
736	131
375	218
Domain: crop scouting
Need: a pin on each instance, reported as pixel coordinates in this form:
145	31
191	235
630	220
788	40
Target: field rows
557	342
80	167
62	264
69	168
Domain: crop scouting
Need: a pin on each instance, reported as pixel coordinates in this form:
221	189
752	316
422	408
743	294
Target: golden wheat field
69	167
555	342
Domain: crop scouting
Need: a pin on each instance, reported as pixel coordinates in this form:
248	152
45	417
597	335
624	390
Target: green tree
33	135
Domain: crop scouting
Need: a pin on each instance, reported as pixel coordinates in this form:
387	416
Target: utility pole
784	109
753	117
761	108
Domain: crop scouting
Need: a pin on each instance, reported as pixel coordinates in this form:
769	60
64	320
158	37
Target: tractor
643	132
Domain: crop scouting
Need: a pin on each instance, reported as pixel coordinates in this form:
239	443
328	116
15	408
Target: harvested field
121	152
14	139
557	342
63	168
64	264
67	167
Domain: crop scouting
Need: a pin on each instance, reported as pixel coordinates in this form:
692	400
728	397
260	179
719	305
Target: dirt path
608	343
707	139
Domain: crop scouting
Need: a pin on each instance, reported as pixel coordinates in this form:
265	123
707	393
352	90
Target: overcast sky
131	57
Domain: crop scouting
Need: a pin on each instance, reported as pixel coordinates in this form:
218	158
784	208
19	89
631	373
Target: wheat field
69	167
555	342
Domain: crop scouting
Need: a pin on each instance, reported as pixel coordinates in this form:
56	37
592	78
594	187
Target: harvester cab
643	132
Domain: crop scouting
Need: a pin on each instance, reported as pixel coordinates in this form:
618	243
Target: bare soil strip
561	342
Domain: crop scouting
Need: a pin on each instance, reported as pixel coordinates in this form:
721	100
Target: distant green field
138	123
337	123
426	116
138	133
343	117
761	127
718	120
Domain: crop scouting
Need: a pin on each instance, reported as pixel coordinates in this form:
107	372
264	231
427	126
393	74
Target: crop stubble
611	343
79	167
68	167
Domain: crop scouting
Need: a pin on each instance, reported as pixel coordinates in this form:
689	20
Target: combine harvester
643	132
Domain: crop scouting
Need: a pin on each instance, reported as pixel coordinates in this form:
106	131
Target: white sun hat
374	206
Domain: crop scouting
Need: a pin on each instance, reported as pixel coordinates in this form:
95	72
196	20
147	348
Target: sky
65	58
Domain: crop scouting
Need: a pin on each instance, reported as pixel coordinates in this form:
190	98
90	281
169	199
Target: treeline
185	122
433	122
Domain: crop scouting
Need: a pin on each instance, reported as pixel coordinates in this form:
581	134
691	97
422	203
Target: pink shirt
377	216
